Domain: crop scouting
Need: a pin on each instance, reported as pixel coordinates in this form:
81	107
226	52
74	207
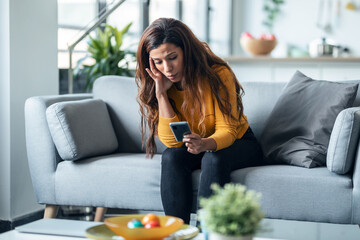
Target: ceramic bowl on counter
258	46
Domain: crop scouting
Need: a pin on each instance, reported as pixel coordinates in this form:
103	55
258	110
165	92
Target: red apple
263	36
267	37
247	35
271	37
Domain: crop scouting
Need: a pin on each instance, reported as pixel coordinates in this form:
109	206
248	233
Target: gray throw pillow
81	129
298	129
344	141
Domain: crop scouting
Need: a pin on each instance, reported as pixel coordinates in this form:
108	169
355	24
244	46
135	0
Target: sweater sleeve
226	130
165	134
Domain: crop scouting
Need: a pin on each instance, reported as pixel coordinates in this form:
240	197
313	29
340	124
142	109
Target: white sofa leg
99	214
51	211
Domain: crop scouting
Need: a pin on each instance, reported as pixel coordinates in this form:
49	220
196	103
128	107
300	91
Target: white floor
295	230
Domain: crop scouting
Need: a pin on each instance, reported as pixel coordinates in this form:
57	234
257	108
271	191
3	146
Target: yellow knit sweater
224	132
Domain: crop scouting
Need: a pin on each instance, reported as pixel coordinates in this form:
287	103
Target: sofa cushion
121	180
296	193
81	129
343	141
298	129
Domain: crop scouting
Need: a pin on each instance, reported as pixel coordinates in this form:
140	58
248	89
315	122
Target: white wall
28	68
4	111
297	23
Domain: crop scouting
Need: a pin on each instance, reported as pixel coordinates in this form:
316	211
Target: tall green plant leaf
110	58
119	34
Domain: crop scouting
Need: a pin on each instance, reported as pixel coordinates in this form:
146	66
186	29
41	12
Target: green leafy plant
108	56
231	210
272	10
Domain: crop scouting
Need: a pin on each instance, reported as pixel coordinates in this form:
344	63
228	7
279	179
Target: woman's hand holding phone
194	143
162	84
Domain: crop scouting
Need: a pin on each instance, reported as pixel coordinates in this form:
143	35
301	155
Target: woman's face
168	59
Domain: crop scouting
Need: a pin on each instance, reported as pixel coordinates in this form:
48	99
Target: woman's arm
226	129
166	115
166	111
165	108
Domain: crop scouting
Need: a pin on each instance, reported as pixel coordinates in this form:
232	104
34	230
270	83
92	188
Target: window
73	15
210	20
194	15
220	27
163	8
128	12
213	27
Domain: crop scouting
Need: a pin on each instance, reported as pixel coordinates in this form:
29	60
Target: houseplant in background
231	213
271	9
105	49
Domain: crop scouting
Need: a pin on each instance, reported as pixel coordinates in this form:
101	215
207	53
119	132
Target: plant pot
218	236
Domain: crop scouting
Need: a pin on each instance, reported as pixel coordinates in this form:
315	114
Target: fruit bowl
258	46
119	225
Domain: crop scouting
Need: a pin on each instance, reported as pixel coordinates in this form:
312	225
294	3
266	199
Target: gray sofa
126	179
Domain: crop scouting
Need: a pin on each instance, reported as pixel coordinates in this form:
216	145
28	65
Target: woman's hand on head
162	84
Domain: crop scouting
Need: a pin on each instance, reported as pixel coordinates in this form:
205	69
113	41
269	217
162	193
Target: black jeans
178	164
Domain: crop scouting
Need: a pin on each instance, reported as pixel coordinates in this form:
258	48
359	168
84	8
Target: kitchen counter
248	59
276	69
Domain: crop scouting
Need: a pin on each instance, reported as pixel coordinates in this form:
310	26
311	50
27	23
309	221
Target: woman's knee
172	157
214	160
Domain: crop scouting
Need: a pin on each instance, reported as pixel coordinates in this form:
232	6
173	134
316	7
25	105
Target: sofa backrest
258	101
120	94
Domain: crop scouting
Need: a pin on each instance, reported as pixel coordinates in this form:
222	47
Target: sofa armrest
356	188
41	151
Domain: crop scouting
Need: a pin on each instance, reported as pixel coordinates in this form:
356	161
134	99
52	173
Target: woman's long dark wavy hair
198	63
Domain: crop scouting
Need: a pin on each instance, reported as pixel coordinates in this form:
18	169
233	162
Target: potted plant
231	212
105	49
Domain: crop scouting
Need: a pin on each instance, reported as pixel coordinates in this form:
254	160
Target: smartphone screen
180	129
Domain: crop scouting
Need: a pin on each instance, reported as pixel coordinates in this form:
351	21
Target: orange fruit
150	218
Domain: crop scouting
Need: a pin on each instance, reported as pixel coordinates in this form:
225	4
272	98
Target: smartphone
180	129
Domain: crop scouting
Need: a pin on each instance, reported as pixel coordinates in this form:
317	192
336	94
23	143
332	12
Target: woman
180	79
